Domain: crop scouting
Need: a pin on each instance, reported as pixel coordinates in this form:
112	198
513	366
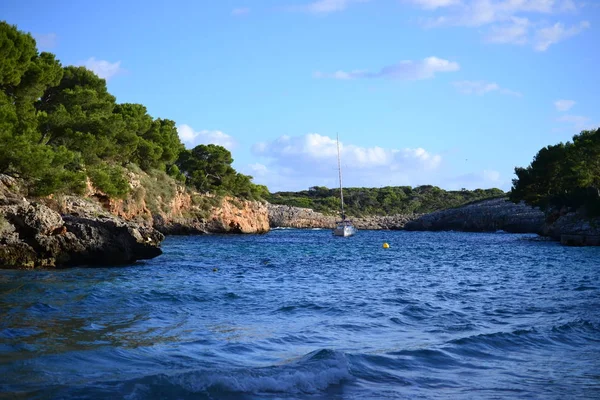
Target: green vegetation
563	175
382	201
208	169
60	126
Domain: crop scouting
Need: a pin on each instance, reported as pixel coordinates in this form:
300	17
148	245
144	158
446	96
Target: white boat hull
344	230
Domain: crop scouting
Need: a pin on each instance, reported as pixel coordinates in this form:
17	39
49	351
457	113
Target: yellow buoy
386	246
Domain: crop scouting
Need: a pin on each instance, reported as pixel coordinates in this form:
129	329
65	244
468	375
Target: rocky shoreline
88	232
570	228
34	236
483	216
281	216
66	231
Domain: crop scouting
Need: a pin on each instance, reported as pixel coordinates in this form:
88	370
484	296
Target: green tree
208	169
24	77
562	175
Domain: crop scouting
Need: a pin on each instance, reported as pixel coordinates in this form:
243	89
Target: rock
230	215
574	229
281	216
32	236
483	216
239	216
32	218
580	240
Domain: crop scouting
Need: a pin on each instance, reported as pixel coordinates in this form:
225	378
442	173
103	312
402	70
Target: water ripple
302	314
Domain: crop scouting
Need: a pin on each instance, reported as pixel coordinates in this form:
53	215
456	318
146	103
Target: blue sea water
303	314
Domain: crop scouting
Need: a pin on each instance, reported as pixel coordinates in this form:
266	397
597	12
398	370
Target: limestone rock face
484	216
239	216
32	235
281	216
228	216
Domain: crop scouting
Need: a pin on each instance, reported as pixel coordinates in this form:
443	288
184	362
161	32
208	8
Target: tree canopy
208	168
60	126
387	200
563	175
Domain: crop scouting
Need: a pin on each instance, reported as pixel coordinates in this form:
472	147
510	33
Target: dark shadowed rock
574	229
34	236
483	216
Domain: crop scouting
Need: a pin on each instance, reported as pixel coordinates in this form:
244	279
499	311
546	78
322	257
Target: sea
301	314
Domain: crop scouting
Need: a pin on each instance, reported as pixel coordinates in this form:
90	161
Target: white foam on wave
301	377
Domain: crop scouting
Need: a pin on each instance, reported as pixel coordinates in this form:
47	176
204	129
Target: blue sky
453	93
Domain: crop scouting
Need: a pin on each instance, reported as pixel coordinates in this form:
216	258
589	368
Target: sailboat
343	227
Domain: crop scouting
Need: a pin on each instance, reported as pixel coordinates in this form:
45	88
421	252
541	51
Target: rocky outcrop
281	216
484	216
228	216
391	222
32	235
574	229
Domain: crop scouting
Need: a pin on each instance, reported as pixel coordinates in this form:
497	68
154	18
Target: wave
311	375
500	344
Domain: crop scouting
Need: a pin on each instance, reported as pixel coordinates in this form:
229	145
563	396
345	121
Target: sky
452	93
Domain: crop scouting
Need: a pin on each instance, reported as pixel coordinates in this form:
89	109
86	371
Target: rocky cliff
484	216
32	235
228	215
94	229
570	228
175	210
281	216
574	229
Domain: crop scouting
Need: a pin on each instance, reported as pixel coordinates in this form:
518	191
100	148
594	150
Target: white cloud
323	7
104	69
404	70
483	12
240	11
297	162
192	138
46	41
258	169
577	121
546	37
434	4
481	88
564	105
509	21
516	32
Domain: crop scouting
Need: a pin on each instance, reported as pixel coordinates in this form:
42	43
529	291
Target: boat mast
340	172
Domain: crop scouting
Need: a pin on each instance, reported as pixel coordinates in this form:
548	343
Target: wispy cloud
102	68
546	37
515	31
46	41
192	138
240	11
578	122
564	105
404	70
507	21
434	4
323	7
483	12
482	87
